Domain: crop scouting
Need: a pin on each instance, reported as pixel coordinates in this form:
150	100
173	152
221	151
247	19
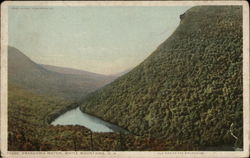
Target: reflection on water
76	117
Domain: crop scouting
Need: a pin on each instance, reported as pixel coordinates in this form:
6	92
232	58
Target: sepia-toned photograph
120	79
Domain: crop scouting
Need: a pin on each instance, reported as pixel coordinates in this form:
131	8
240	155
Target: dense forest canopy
187	95
189	89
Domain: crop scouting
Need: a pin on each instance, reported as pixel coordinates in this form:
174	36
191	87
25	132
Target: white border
4	44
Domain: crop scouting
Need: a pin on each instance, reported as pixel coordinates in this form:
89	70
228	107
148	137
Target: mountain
189	90
52	80
64	70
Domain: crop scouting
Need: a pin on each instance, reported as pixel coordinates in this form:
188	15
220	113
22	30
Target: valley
67	83
189	89
187	95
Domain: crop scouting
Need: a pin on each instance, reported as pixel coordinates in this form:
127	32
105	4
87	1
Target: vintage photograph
124	77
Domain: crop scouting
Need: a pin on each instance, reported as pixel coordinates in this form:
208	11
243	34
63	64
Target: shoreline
53	116
121	128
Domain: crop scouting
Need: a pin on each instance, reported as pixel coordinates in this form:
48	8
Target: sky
100	39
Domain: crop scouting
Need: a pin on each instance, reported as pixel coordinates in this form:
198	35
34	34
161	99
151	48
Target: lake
77	117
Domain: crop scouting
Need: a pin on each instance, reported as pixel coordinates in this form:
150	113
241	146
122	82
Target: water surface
77	117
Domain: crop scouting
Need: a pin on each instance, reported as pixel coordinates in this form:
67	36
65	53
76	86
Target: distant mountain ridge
65	70
189	90
52	80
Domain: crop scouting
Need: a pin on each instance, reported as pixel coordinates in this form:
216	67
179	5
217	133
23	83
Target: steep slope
24	72
189	89
28	130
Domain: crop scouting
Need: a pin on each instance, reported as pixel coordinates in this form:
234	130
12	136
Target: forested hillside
24	72
28	129
189	89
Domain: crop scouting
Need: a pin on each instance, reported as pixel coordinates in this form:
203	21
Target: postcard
124	79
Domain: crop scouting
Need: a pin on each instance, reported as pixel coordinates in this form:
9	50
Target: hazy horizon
104	40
